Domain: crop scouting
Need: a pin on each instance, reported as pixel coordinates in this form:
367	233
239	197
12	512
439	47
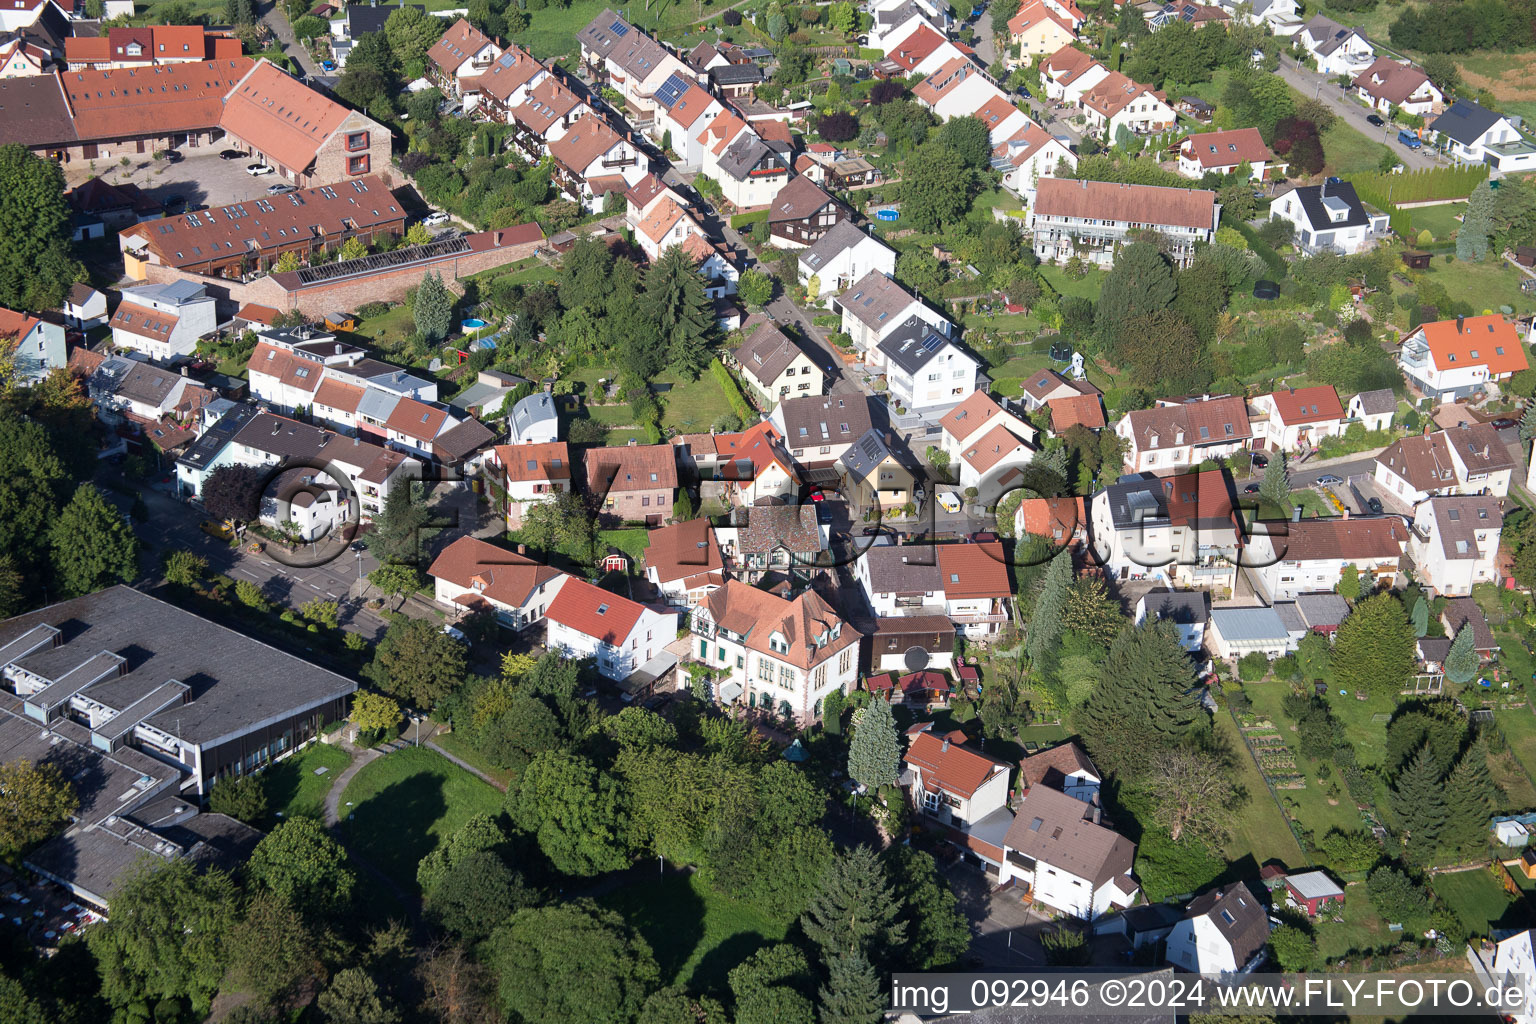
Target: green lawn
1259	828
292	787
1346	151
398	808
1323	804
1486	286
530	271
1000	198
1477	897
1439	221
1519	727
552	31
460	748
394	325
1087	286
633	541
692	407
1361	931
696	934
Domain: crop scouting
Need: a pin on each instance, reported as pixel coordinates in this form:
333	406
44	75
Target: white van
948	501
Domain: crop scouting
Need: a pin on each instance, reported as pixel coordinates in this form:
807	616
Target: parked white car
436	219
257	170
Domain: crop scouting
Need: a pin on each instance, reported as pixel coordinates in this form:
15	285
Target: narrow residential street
272	17
1312	84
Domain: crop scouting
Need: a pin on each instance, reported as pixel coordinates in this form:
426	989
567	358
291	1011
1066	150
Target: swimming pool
472	324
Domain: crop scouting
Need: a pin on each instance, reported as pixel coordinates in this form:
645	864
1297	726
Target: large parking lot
199	177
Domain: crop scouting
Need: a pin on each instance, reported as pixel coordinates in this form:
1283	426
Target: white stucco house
1336	49
842	256
472	574
1222	932
1455	542
1060	852
1329	218
584	621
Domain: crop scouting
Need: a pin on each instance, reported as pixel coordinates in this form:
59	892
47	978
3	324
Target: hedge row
1375	191
1271	259
744	220
739	405
1422	186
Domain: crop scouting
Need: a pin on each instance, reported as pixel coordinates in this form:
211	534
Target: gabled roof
1045	384
972	570
1057	763
461	42
1063	832
800	199
977	411
1296	406
767	352
501	575
875	300
943	81
1328	35
683	550
416	419
1238	916
1458	519
1227	149
947	765
916	47
759	445
908	569
865	456
16	325
840	238
1185	607
1463	611
1488	340
641	467
1033	14
33	110
1378	402
587	140
144	321
662	219
756	615
1068	63
914	344
334	394
1055	518
280	116
691	105
604	33
1077	411
1114	201
535	463
1220	420
991	448
548	102
1114	92
1316	211
1465	121
594	612
830	420
514	68
1390	80
162	100
1337	538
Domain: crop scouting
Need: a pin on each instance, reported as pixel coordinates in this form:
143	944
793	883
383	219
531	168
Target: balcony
976	620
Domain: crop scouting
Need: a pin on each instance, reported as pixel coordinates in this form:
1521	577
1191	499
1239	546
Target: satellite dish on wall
916	659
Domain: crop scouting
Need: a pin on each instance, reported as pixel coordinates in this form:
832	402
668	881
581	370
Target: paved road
272	17
1311	83
1307	473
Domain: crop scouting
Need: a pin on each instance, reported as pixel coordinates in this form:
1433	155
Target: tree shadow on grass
391	828
668	914
709	975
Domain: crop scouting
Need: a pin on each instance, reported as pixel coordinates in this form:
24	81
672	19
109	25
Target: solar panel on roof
618	28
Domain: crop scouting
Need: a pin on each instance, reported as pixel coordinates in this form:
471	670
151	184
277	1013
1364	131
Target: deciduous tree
574	811
300	863
36	267
937	187
168	936
35	801
234	492
571	962
755	288
968	137
374	712
411	33
184	568
239	797
1196	795
92	546
417	662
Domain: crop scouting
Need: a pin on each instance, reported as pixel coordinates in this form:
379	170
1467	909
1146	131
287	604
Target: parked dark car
1505	423
1374	504
1375	119
231	154
1260	461
1251	489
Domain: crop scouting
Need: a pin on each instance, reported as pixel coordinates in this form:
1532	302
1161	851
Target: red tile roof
1034	14
683	550
587	140
594	612
334	394
514	68
280	116
641	467
916	48
285	366
972	570
1112	201
1056	518
1078	410
457	45
756	614
990	449
416	419
1051	765
1307	405
257	314
533	463
952	767
499	574
1227	149
16	325
977	411
143	321
690	106
1489	341
162	100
